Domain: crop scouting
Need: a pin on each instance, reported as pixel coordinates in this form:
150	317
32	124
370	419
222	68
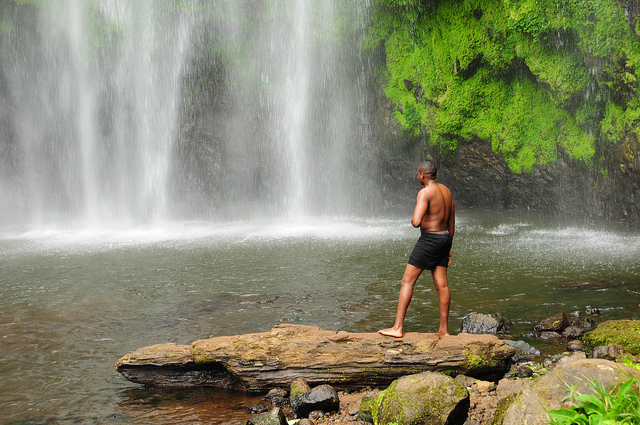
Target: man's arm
452	219
421	208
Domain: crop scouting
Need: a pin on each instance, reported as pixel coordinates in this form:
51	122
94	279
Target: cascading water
93	89
120	111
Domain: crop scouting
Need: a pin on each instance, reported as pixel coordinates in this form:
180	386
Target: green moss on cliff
531	77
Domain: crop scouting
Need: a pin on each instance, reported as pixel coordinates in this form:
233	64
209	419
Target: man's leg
442	286
411	275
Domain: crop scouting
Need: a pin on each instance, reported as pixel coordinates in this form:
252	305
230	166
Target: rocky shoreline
489	402
528	385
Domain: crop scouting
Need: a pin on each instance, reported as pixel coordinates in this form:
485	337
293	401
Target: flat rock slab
261	361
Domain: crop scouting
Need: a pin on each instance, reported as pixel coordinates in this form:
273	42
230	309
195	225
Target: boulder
551	391
262	361
322	397
425	398
479	323
555	323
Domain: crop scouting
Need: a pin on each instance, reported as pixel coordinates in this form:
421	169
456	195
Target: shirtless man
435	215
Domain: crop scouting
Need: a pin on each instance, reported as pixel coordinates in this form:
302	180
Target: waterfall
129	112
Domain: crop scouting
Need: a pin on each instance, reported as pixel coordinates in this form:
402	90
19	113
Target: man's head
428	168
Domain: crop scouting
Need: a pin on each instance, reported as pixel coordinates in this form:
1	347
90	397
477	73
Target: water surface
73	301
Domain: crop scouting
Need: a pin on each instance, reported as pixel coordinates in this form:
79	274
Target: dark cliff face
479	178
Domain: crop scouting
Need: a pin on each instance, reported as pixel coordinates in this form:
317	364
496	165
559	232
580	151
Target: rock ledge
261	361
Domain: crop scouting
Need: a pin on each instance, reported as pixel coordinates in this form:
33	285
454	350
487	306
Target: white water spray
108	125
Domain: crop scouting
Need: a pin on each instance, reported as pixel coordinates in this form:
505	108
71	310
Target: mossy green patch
532	77
615	332
476	357
203	359
410	399
501	409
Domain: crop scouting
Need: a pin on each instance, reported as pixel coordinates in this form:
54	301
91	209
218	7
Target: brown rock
506	387
551	391
575	345
261	361
556	323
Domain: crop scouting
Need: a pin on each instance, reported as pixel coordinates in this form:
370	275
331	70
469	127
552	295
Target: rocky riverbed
536	383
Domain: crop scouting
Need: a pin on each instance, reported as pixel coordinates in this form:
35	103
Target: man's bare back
434	213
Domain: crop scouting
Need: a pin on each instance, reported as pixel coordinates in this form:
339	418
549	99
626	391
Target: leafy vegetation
531	77
620	406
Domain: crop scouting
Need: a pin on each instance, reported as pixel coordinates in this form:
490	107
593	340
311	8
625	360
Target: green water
73	301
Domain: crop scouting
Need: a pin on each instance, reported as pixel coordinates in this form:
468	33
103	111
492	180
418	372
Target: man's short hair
429	168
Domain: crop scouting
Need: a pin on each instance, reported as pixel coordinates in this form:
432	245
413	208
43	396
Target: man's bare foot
390	332
441	334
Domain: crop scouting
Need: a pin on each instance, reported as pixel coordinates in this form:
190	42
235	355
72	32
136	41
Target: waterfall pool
73	301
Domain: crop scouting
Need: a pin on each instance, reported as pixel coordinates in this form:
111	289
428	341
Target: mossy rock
367	404
424	398
501	409
625	333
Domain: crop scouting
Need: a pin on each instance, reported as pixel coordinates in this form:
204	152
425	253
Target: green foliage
620	332
619	406
529	76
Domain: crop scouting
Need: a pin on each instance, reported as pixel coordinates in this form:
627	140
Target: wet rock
275	417
479	323
530	335
277	397
555	323
322	397
298	388
608	352
428	397
258	408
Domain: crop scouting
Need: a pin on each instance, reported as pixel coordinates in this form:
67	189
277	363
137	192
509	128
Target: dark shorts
431	250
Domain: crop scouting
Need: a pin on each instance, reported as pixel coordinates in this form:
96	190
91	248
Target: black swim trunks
431	250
